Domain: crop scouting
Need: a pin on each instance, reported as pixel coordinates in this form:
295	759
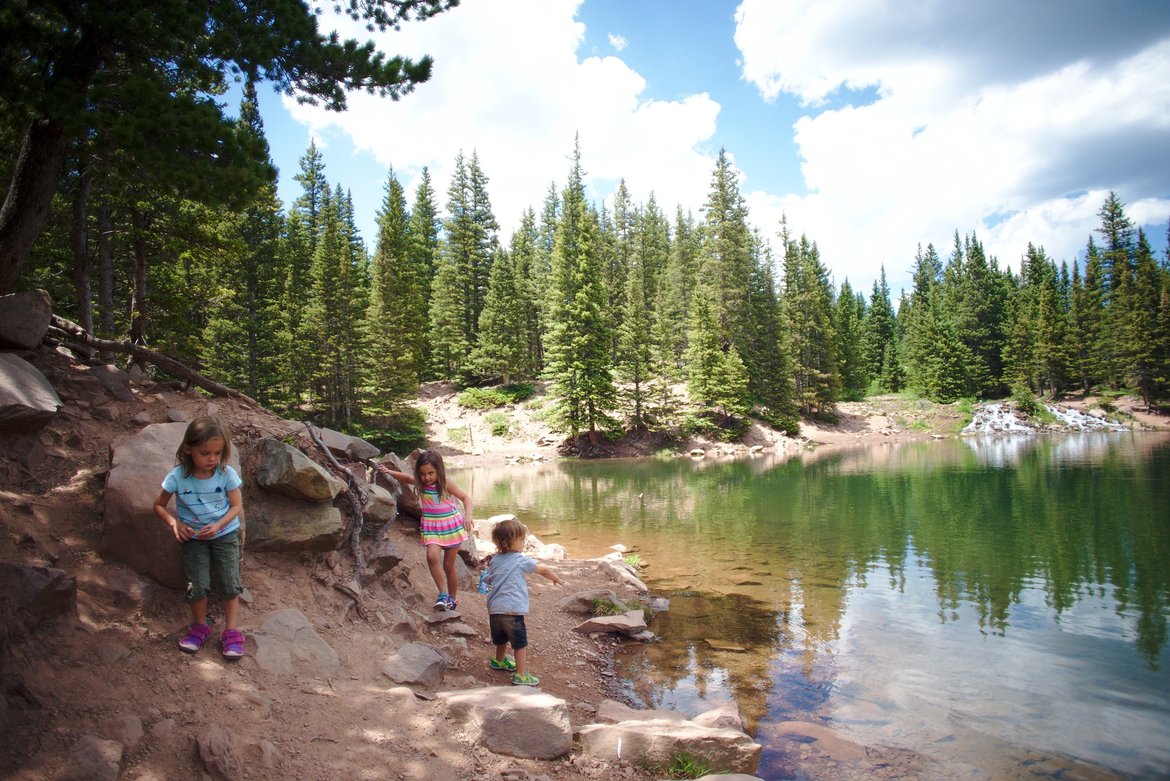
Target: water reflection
947	596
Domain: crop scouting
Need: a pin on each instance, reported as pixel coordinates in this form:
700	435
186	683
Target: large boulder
131	532
657	741
513	721
278	523
286	470
24	318
27	400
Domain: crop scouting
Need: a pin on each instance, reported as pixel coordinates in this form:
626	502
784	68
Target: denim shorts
218	560
508	629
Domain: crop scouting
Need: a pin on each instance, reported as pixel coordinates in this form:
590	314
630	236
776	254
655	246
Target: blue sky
873	126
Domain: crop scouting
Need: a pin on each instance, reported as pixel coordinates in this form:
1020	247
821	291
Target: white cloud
617	42
959	132
508	85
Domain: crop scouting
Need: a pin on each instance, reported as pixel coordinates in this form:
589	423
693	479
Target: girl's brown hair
505	533
435	460
198	432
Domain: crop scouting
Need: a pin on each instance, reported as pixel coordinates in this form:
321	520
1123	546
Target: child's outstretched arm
546	571
401	477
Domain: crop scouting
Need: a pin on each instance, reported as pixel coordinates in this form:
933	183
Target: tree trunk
29	197
138	301
105	226
79	240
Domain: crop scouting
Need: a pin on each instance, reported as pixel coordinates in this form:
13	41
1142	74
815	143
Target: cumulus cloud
618	42
508	84
1012	120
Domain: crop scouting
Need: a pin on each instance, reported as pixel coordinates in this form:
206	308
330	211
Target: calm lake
979	608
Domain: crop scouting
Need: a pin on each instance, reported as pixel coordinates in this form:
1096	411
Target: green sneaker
508	664
527	679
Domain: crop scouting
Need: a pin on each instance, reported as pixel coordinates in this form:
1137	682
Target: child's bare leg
435	565
231	612
521	655
501	652
449	556
199	611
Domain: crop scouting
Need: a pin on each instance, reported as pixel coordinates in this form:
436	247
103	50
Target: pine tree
503	348
768	362
847	326
393	325
471	243
880	331
808	299
244	344
578	341
423	253
303	229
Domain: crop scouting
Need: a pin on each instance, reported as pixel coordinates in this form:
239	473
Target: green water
978	608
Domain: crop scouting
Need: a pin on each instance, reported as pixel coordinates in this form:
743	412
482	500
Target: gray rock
220	753
127	730
287	643
384	557
30	594
658	741
113	380
24	318
827	741
286	470
345	446
726	716
278	523
131	532
382	508
27	400
613	712
93	759
415	664
518	722
582	601
629	624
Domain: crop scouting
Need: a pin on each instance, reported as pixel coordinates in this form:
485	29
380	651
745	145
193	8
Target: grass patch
634	560
681	765
490	398
459	435
606	607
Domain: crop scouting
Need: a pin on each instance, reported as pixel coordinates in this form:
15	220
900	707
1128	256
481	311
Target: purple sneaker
196	636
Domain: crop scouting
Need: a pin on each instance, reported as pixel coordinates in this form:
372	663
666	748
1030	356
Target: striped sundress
442	522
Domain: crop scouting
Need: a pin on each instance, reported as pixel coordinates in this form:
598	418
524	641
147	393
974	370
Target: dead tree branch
82	338
357	499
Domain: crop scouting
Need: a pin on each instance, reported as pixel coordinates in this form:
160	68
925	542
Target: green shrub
634	560
488	398
458	435
500	423
1024	400
713	425
399	432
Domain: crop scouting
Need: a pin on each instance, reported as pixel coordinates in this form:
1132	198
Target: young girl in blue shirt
208	505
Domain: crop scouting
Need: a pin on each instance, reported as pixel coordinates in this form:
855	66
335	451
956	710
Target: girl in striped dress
443	526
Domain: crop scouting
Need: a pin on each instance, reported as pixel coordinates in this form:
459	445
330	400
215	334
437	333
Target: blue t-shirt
509	588
202	502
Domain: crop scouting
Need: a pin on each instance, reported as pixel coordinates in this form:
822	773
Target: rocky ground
111	670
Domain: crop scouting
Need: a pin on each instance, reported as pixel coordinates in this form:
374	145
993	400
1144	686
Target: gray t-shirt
508	588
